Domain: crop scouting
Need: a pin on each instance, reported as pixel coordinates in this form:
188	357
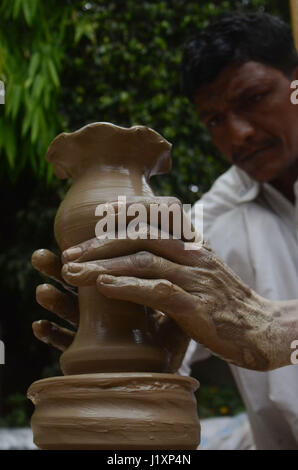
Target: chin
263	175
263	178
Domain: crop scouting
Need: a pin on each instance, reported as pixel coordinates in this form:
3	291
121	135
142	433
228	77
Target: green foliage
218	401
17	412
72	62
32	38
126	69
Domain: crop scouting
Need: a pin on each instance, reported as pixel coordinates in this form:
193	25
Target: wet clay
99	409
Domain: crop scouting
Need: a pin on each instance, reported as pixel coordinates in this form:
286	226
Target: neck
285	182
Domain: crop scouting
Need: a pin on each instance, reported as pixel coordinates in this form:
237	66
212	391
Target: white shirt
254	229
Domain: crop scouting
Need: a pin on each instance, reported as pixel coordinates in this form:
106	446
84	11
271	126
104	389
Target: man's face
251	119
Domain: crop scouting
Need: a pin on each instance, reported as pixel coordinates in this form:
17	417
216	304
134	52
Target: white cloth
226	433
254	229
16	439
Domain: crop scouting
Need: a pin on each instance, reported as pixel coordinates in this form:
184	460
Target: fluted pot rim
104	143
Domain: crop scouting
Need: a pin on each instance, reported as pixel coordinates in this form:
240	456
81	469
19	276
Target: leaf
16	8
35	125
16	100
38	86
34	63
28	83
53	72
10	145
28	11
47	97
27	118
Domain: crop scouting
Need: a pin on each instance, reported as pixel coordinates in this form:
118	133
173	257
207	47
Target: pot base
113	411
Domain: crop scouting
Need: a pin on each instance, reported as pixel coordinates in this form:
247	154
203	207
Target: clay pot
113	402
106	161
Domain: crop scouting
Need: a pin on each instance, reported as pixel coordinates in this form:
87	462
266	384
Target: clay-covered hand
62	304
65	305
193	287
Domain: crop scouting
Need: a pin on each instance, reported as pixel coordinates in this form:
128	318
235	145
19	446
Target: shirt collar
248	190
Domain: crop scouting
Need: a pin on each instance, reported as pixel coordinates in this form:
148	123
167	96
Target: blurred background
66	63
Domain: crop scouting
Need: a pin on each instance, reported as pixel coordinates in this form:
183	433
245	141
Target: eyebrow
250	88
204	114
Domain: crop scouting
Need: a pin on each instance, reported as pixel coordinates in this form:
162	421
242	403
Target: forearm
252	332
284	331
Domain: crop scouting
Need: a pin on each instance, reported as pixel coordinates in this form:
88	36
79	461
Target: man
238	74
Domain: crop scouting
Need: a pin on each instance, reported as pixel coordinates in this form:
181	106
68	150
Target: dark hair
237	38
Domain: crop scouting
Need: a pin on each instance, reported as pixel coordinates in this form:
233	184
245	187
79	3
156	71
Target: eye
256	98
214	121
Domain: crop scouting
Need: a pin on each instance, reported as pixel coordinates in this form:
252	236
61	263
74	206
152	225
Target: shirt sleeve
228	237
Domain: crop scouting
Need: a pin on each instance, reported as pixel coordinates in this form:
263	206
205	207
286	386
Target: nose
239	129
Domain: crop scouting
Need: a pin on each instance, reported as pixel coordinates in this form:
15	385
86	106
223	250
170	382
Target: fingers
57	302
52	334
142	264
147	238
50	265
96	249
47	263
157	294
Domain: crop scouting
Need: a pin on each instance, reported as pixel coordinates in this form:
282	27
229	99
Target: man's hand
61	304
165	330
192	287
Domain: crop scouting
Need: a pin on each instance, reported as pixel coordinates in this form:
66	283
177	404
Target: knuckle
143	259
64	271
211	261
163	288
90	244
206	256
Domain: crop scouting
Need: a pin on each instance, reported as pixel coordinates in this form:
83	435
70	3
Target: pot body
113	335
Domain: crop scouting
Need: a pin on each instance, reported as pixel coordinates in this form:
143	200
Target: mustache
247	151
